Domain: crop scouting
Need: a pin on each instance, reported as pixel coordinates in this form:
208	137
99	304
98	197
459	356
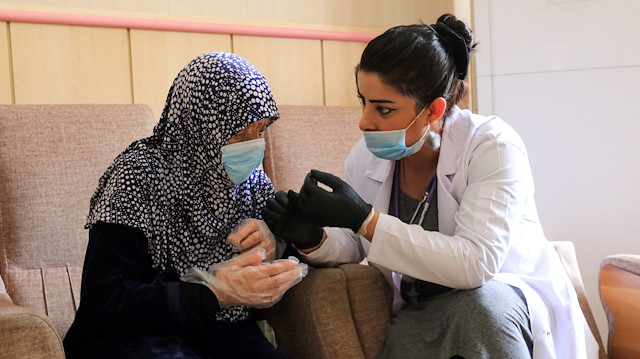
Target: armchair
620	294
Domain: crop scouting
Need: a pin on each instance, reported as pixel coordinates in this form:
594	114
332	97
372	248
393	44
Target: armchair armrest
313	319
567	253
370	299
620	295
333	313
27	333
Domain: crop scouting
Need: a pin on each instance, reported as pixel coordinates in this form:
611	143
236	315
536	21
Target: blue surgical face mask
390	145
240	159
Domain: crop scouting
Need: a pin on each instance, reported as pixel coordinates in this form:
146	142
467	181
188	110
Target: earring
433	140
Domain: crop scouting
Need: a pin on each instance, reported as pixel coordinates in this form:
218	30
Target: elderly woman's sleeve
121	292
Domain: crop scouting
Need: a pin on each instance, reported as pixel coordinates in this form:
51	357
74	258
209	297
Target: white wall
565	75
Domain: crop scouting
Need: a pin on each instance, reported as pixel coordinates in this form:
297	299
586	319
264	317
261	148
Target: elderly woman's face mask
240	159
244	152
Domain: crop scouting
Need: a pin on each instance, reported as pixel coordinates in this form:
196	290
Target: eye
361	98
384	110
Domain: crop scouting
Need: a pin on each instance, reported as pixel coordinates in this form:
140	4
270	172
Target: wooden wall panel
293	67
5	66
377	14
56	3
219	9
55	64
141	6
70	64
340	59
158	56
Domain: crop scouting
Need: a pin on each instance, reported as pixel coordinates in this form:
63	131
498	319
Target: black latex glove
341	208
284	218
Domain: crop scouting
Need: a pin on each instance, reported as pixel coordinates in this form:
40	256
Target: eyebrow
381	101
374	101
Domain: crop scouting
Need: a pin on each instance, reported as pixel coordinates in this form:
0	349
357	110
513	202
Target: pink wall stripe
181	26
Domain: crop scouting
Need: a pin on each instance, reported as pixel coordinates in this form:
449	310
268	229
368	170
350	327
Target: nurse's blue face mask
390	145
240	159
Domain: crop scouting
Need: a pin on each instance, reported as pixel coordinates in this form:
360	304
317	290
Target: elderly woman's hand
247	280
254	233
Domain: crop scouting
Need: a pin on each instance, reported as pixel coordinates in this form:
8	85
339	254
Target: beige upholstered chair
620	294
51	158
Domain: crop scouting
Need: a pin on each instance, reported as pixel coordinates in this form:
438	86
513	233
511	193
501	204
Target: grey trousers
491	321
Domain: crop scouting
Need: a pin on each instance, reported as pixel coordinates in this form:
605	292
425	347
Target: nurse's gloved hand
342	207
283	216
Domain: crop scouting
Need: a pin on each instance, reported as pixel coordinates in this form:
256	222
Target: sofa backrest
51	157
309	137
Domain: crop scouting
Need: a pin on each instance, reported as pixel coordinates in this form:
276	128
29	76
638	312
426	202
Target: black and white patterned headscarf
173	186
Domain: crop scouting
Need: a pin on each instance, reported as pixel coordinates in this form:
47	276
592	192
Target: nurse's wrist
363	227
309	250
370	228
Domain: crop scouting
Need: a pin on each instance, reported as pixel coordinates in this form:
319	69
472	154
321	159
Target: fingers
271	216
283	281
294	199
281	197
276	207
246	236
276	285
248	258
310	188
275	268
259	285
326	178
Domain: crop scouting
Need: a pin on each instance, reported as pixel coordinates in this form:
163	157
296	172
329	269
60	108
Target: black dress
130	310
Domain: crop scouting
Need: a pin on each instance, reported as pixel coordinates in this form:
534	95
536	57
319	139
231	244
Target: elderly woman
170	207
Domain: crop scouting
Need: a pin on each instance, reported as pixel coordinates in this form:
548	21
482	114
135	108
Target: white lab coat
488	229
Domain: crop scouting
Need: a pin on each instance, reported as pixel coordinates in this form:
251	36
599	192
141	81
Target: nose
366	121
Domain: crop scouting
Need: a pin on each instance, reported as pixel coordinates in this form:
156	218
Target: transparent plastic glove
247	280
253	233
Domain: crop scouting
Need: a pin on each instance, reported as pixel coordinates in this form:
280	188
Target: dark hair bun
459	27
457	38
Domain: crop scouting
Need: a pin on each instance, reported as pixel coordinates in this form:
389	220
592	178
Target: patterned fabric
173	186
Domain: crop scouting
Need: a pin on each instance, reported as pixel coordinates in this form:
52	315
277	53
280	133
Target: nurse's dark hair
423	61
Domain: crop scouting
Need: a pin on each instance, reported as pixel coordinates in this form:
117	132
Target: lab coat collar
378	168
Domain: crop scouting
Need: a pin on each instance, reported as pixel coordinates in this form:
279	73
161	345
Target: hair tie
457	48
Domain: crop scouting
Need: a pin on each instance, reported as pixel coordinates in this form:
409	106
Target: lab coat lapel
381	171
454	135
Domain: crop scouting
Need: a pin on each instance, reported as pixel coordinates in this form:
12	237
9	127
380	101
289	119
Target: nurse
441	201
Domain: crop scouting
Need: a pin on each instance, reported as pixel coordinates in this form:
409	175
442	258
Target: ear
436	110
